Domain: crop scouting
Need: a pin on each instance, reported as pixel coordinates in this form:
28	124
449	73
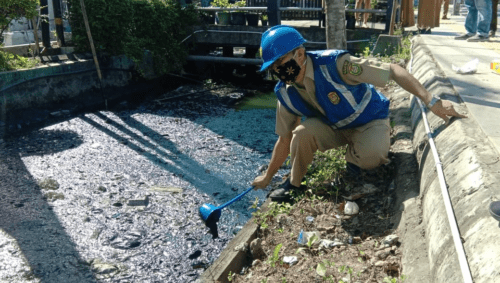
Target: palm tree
335	24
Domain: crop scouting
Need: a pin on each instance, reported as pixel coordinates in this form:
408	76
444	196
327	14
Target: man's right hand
261	182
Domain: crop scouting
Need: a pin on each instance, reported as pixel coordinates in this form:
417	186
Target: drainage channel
114	195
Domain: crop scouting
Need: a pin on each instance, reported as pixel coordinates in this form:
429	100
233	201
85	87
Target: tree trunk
335	24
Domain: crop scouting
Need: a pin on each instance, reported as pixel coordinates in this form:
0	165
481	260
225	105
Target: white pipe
464	266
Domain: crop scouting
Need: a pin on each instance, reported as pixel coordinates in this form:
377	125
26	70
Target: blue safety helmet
278	41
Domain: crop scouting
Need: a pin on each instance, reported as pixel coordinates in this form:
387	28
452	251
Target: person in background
407	13
367	5
494	18
335	93
478	20
428	15
446	5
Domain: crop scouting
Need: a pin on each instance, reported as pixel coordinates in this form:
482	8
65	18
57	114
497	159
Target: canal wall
471	165
69	83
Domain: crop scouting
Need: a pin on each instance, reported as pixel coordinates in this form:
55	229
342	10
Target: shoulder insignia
351	68
334	97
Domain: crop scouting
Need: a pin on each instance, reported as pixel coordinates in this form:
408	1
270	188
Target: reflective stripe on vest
288	101
358	108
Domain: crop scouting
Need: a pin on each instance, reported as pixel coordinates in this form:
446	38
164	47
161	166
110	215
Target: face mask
289	71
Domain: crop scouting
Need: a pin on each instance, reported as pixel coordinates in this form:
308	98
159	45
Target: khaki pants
367	145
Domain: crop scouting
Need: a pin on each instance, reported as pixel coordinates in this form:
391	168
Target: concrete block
387	45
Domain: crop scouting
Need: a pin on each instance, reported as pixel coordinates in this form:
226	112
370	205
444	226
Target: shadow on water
27	217
165	149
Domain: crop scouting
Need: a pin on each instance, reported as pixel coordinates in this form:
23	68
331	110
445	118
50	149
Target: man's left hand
444	108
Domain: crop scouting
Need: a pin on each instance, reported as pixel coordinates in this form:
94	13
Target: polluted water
114	196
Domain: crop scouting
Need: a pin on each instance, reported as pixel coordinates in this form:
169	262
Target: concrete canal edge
471	168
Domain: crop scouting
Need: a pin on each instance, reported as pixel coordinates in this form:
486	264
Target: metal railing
298	10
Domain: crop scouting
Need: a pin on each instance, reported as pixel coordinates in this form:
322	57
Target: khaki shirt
373	72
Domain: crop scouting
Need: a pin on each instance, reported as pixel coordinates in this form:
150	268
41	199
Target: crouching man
334	92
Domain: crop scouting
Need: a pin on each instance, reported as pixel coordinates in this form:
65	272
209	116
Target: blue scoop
211	213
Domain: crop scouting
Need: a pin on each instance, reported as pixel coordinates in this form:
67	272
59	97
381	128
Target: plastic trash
310	219
290	260
304	237
469	68
331	244
495	66
351	208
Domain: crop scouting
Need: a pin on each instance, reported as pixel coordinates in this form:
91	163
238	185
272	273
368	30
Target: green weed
274	209
275	257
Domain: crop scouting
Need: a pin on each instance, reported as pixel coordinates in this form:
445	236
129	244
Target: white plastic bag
469	68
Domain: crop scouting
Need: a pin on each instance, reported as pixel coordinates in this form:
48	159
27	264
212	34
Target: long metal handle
236	198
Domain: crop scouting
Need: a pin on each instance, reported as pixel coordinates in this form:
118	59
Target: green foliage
313	239
220	3
241	3
275	257
321	269
9	61
402	278
14	10
324	168
230	276
366	52
131	27
274	209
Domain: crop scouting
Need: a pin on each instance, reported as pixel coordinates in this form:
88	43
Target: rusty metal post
59	22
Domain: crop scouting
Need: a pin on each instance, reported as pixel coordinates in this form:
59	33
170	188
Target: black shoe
282	193
352	176
495	210
353	169
381	176
425	31
491	33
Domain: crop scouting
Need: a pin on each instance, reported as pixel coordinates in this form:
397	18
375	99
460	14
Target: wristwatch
433	101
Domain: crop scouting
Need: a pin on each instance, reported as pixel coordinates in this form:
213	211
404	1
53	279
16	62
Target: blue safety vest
345	106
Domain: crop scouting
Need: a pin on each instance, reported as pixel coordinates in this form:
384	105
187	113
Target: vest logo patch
351	68
334	97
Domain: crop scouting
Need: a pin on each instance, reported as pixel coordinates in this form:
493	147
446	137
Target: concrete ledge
471	166
25	49
29	97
